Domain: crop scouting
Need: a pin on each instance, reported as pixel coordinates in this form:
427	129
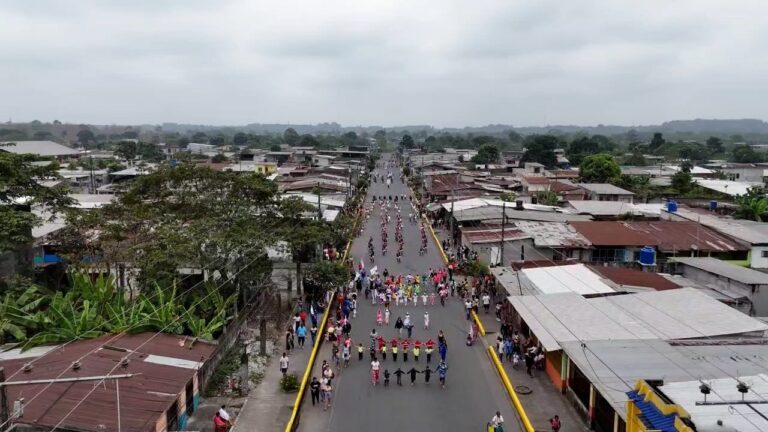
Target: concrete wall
756	257
759	297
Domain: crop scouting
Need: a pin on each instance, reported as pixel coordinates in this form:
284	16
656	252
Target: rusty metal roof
143	398
633	277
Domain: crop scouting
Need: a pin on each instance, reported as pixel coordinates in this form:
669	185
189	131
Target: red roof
633	277
612	234
490	235
538	180
667	236
143	398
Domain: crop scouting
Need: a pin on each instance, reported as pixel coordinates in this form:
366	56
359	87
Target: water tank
713	205
647	256
672	206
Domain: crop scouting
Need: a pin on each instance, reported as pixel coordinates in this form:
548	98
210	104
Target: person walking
314	389
442	372
416	350
394	345
443	350
430	345
426	320
399	375
406	344
427	374
301	332
375	366
289	340
413	373
554	423
468	307
284	362
328	395
313	333
486	302
399	326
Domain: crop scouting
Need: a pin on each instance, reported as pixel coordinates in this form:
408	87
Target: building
164	388
752	234
606	192
736	281
611	210
596	348
265	168
40	148
200	148
744	172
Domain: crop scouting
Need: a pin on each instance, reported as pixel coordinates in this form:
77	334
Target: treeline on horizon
695	140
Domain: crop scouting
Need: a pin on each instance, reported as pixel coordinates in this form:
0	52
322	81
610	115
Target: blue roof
652	417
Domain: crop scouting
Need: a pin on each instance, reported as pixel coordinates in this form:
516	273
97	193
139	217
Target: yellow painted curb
346	251
511	391
480	327
437	241
308	371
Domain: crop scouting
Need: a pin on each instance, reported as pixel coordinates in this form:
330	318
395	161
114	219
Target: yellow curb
511	391
437	241
346	251
480	327
308	371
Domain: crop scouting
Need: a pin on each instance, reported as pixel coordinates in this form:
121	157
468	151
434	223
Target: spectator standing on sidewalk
314	389
284	362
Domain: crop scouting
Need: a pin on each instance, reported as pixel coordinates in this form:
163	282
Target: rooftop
604	189
755	233
163	367
673	314
613	366
42	148
576	278
732	188
634	278
603	208
726	269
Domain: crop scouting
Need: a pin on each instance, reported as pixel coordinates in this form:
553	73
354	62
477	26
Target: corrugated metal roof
635	278
612	234
42	148
576	278
143	398
674	314
750	232
726	269
604	189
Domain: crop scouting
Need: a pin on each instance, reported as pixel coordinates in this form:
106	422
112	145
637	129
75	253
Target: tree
86	137
217	140
407	142
549	198
508	196
541	149
349	138
599	168
380	136
686	167
219	158
715	145
486	154
199	137
515	137
275	148
127	150
657	141
328	275
20	191
308	140
753	205
240	139
290	136
636	159
745	154
682	182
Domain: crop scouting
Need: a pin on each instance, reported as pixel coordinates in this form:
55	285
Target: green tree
486	154
328	275
682	182
275	147
599	168
308	140
219	158
636	159
85	137
715	145
240	139
127	150
20	191
290	136
657	141
549	198
745	154
217	140
407	142
541	149
753	205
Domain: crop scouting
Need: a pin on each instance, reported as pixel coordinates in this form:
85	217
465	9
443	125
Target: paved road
473	392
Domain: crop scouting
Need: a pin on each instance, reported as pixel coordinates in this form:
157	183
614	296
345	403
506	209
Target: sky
372	62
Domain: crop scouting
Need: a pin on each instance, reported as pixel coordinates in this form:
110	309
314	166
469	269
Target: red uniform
417	344
381	342
393	343
430	344
406	344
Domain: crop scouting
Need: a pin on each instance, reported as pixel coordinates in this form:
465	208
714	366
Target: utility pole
93	186
503	222
3	398
319	210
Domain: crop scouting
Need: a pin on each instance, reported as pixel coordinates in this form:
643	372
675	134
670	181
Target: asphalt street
473	391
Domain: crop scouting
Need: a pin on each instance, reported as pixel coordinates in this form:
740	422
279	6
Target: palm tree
752	208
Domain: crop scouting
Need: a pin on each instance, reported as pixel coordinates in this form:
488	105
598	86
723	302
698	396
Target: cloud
383	62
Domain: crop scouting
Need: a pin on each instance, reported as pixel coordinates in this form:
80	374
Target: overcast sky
370	62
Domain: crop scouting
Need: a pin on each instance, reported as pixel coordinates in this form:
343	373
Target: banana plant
65	320
202	328
164	310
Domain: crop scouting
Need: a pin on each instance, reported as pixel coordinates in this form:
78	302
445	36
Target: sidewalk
268	407
544	401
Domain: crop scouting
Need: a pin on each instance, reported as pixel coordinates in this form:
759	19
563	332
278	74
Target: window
764	254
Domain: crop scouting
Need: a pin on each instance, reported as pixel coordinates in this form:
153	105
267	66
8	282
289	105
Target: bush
474	268
289	383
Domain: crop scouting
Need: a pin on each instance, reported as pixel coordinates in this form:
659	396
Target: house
594	347
524	240
533	184
322	161
265	168
745	172
741	282
164	379
606	192
615	241
728	187
752	234
40	148
278	157
200	148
